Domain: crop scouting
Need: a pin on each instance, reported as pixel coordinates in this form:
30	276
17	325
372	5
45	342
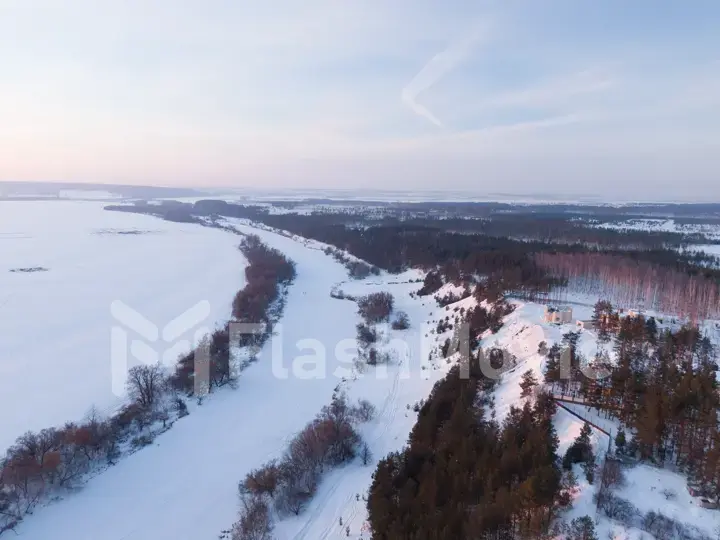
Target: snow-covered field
55	351
710	249
711	231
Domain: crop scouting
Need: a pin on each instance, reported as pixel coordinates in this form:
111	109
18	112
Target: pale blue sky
615	97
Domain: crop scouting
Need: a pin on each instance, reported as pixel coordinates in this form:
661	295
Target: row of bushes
56	459
655	523
285	487
260	301
356	269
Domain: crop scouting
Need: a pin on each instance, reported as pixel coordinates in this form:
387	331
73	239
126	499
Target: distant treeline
526	254
689	212
552	224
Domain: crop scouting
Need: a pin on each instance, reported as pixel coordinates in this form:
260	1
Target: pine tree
651	330
620	441
528	383
582	528
552	365
585	433
581	452
649	424
568	489
589	466
601	317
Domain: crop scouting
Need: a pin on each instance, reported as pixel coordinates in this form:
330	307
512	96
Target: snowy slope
522	332
55	350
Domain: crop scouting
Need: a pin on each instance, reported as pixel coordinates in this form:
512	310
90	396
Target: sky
614	98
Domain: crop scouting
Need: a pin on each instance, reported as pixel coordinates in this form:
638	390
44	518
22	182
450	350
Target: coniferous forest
462	476
661	386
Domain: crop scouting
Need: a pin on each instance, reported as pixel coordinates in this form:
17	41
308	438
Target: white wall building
558	315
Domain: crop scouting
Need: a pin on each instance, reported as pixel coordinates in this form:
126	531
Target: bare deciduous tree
364	411
255	521
365	454
376	307
145	384
401	321
262	481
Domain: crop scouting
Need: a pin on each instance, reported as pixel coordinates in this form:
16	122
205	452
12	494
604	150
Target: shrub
445	348
364	411
255	521
401	321
366	335
328	441
140	441
358	269
262	481
376	307
374	357
618	509
180	407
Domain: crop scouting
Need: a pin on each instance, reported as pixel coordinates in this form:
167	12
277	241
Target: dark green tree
528	383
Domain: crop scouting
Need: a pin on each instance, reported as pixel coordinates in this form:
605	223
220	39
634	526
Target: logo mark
152	345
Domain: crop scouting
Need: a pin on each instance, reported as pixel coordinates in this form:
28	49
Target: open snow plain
56	321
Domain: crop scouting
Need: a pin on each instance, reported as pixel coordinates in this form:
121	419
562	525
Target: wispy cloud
436	68
556	90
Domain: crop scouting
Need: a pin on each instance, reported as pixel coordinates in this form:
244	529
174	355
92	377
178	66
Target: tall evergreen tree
528	383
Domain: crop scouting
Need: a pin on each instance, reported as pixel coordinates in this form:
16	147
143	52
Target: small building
585	325
558	315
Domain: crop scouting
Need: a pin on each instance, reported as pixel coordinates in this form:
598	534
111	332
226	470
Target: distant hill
32	190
